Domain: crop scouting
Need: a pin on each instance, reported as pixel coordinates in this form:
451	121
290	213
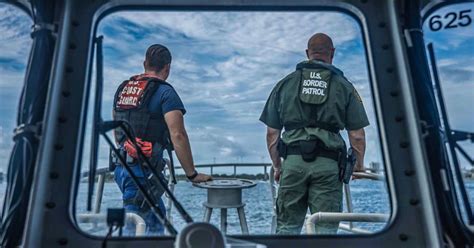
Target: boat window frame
426	12
347	9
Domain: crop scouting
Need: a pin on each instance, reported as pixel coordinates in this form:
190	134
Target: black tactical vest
131	105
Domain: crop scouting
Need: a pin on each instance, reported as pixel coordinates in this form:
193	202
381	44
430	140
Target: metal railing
234	166
140	226
350	216
268	175
336	217
101	173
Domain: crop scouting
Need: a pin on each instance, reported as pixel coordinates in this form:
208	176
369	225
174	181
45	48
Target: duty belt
295	149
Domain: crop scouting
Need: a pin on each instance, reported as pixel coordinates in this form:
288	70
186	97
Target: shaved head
320	47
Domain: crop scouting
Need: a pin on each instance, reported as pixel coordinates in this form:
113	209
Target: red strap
146	147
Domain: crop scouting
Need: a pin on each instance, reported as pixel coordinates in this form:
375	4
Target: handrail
274	192
105	170
336	217
235	165
369	175
354	230
140	225
269	175
99	171
365	175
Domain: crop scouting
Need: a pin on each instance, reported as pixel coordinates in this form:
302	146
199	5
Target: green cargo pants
315	185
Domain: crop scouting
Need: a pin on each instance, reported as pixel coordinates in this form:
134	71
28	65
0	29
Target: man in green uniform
312	104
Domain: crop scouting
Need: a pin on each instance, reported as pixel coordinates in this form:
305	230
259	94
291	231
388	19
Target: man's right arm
357	140
273	136
179	138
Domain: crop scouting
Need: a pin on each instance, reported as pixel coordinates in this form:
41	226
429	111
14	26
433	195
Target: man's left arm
357	140
356	120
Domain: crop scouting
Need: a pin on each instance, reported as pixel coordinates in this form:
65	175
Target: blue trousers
130	194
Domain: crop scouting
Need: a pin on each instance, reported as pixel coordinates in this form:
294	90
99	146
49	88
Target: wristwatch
194	175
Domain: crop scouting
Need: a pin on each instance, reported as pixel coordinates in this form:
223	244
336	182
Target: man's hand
357	140
201	177
359	168
276	175
273	136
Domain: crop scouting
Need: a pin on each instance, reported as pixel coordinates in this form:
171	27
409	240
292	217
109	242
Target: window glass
15	43
224	67
450	29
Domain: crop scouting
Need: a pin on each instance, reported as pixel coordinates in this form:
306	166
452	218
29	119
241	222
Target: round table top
232	183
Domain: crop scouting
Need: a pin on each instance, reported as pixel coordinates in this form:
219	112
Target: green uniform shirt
343	108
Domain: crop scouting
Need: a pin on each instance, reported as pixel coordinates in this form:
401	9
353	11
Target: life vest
313	91
131	103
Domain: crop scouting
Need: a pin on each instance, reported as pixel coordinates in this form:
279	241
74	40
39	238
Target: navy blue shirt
165	100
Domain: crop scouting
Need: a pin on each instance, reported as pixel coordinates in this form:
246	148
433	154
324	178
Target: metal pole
99	192
243	222
265	174
273	190
369	175
354	230
336	217
169	203
96	121
207	214
224	220
347	192
140	225
235	170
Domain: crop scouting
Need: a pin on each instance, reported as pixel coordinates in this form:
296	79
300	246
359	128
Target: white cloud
230	61
15	28
15	43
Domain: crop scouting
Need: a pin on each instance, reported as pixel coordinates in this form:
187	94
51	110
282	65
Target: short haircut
320	44
157	56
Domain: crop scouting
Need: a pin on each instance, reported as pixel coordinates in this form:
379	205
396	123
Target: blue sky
454	49
225	65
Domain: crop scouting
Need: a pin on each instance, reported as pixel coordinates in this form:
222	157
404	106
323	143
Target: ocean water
367	197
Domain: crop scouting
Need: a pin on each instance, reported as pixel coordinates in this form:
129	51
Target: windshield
223	69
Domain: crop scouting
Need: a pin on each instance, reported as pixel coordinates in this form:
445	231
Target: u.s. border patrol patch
314	85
